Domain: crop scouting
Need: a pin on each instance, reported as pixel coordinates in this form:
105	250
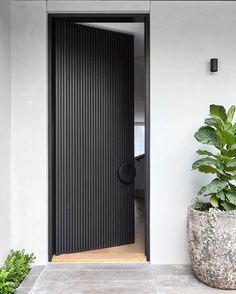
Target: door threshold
124	253
77	257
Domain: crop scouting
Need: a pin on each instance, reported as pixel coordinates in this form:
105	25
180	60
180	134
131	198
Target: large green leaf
207	169
210	122
221	195
228	206
230	113
204	161
214	187
201	191
231	163
214	201
206	152
207	135
208	165
218	111
231	196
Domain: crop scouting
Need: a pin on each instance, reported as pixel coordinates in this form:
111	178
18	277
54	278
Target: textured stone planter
214	260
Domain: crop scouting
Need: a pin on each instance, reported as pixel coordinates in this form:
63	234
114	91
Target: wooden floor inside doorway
127	253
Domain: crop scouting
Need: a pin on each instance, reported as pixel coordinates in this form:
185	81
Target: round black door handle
127	173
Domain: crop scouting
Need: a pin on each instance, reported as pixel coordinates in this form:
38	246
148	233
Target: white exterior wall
5	125
29	128
184	36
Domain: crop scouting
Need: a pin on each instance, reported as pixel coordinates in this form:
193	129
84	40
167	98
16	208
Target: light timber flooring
125	253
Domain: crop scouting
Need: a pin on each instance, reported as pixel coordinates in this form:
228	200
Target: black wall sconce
214	64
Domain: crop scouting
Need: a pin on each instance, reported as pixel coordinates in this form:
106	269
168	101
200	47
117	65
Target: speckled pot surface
214	261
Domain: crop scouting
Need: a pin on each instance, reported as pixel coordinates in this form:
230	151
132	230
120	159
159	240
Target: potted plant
211	223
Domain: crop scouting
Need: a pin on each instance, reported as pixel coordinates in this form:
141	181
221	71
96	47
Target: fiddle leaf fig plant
219	132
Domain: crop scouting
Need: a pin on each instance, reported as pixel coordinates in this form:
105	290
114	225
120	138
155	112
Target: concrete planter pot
213	259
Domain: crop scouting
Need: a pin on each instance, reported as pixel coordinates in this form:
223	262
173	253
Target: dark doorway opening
62	22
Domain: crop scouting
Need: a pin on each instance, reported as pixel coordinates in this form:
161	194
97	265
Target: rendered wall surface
29	128
184	36
5	126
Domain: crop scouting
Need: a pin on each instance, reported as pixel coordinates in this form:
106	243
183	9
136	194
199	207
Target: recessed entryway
97	211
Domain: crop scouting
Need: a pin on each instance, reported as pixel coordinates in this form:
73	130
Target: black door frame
104	17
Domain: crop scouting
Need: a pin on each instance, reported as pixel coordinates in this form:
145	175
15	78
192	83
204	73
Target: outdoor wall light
214	64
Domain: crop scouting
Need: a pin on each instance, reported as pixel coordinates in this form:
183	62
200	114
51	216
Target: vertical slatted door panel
94	115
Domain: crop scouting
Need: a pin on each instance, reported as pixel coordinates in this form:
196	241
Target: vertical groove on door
94	135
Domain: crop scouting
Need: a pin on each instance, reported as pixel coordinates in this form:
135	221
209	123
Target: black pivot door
93	137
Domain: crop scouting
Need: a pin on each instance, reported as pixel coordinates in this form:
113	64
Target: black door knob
127	173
